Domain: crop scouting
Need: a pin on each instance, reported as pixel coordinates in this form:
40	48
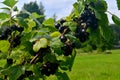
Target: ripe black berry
61	29
20	29
63	38
14	27
84	36
57	26
3	37
62	21
10	61
16	41
67	49
49	68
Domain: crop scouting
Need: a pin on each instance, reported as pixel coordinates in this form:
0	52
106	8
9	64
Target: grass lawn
96	67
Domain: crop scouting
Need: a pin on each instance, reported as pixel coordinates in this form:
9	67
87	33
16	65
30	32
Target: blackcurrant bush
63	38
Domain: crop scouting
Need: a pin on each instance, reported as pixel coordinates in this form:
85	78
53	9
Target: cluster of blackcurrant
8	30
86	19
6	34
26	74
68	46
49	68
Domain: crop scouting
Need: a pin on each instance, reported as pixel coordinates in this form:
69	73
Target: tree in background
32	7
116	33
54	17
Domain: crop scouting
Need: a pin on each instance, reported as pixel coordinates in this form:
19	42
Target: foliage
35	9
30	53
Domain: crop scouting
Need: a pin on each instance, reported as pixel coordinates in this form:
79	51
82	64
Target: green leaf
49	57
41	43
55	34
68	63
101	6
5	8
2	62
30	24
56	45
9	3
4	45
49	22
78	7
13	72
72	26
4	15
62	76
5	22
104	28
118	4
22	22
35	15
116	20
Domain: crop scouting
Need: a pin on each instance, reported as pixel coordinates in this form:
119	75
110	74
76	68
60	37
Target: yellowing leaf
55	34
42	43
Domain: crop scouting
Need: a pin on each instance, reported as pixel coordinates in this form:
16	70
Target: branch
35	57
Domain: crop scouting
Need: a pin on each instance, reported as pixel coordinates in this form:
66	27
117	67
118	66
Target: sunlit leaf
4	15
42	43
10	3
55	34
49	22
4	45
35	15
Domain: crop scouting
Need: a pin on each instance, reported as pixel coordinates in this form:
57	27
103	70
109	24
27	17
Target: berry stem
35	57
11	43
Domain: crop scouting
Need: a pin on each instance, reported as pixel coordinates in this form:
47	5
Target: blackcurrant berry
57	26
3	37
7	31
49	68
14	27
63	38
61	29
67	49
16	41
62	21
9	61
20	29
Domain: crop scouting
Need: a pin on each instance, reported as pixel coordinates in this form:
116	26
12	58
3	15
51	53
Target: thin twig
110	12
35	57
